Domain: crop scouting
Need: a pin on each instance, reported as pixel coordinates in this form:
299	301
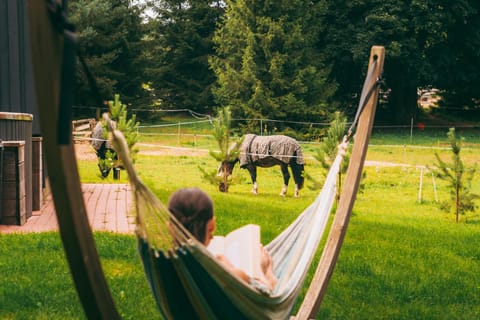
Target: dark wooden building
18	116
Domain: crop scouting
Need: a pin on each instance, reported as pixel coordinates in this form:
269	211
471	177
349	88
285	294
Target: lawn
401	258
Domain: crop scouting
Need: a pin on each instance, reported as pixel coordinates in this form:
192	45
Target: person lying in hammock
193	208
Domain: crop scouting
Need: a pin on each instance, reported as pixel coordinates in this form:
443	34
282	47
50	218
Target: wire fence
414	135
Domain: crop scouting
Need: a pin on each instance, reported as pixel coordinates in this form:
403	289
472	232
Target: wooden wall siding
16	74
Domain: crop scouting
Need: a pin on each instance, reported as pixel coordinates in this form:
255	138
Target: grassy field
401	259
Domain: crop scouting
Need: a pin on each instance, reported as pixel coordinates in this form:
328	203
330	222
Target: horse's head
224	171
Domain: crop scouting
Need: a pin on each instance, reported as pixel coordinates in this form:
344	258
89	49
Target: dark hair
193	208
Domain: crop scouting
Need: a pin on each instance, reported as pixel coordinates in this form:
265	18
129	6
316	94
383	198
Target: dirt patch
84	151
158	150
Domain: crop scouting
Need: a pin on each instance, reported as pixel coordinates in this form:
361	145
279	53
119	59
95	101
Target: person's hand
266	260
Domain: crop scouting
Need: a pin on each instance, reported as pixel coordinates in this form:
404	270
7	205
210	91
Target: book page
241	247
217	246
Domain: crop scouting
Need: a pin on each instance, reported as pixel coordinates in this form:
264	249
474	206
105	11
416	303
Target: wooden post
47	44
37	174
318	287
13	195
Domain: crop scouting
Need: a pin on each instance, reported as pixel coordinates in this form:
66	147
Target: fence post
411	130
420	187
178	133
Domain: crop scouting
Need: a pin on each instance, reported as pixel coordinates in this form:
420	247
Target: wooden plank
121	210
324	271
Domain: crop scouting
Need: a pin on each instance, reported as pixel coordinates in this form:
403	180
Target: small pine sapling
328	150
229	148
129	128
459	179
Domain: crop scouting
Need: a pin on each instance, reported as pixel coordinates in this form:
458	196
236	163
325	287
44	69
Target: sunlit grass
402	258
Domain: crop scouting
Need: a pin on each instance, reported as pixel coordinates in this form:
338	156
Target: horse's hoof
296	195
255	192
282	194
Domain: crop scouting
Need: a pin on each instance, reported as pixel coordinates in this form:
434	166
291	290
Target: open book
241	247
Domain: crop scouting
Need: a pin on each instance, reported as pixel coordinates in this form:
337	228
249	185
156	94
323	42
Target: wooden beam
47	51
319	284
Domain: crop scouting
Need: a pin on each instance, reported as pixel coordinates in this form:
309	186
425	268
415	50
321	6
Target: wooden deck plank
94	207
108	208
122	205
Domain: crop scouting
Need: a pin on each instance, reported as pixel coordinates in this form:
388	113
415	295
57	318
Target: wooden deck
109	208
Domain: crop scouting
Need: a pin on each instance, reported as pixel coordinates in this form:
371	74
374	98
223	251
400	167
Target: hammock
189	283
190	279
190	274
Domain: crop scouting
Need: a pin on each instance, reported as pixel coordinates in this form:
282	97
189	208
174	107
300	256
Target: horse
268	151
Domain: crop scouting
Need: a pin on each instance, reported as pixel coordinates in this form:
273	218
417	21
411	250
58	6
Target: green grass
36	282
401	259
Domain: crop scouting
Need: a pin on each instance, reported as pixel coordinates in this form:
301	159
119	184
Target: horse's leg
286	178
252	169
297	171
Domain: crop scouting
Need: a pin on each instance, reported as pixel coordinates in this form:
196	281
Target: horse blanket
98	138
280	147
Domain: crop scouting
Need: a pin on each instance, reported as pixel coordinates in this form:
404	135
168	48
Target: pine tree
181	37
266	64
129	128
229	148
459	179
328	150
110	41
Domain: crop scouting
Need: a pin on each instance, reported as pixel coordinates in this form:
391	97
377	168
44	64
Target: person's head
193	208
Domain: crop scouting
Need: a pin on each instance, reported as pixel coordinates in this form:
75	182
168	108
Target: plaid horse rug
255	148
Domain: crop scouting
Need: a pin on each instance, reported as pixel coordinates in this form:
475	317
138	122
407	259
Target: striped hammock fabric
189	283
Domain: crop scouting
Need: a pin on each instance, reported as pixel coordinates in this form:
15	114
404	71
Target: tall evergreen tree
428	43
265	62
110	33
455	58
182	32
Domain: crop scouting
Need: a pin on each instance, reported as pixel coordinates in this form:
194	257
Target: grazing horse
268	151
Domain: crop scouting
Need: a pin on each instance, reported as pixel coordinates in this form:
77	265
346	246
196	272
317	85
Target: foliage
266	64
328	150
452	58
110	41
180	41
426	43
229	148
129	128
459	178
287	60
